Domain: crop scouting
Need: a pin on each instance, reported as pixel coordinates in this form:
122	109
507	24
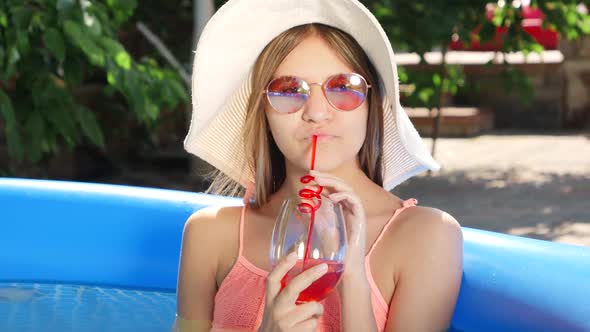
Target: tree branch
164	51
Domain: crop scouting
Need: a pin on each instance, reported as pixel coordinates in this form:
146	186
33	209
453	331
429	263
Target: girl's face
314	61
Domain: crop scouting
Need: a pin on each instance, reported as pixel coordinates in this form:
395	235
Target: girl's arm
357	309
197	270
429	282
184	325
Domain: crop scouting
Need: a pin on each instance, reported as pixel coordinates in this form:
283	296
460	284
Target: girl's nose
317	108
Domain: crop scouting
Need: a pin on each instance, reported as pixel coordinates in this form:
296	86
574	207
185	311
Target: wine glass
313	226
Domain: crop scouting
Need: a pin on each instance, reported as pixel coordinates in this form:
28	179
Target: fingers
352	202
300	283
281	310
302	313
342	191
340	188
308	325
273	281
328	180
344	194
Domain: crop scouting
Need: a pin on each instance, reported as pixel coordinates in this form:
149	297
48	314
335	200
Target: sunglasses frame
322	84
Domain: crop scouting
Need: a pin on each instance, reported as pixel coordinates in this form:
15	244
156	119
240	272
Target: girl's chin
322	166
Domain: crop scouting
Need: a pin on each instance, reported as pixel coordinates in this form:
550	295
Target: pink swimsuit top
239	302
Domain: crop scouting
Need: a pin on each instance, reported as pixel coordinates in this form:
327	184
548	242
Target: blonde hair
262	153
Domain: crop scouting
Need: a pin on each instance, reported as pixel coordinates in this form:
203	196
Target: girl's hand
354	214
280	311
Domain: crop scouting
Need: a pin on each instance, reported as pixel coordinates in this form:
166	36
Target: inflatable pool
96	257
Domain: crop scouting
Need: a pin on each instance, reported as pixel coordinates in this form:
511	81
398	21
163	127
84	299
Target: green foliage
49	51
423	26
427	87
13	138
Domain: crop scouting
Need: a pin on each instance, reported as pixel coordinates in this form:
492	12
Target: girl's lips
322	138
325	138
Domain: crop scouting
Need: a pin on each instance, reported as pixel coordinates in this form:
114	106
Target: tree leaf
13	55
22	42
3	18
123	60
73	70
425	94
114	49
536	47
111	78
92	24
61	121
125	6
65	5
90	126
178	89
571	17
436	79
498	18
111	46
21	17
57	107
35	128
37	22
152	111
78	34
13	140
584	25
55	43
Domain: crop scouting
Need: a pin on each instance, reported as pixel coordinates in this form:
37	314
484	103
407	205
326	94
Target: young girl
259	94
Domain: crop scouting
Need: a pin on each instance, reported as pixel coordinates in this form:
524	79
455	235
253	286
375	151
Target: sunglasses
345	92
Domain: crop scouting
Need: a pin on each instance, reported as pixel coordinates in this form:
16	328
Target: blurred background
99	91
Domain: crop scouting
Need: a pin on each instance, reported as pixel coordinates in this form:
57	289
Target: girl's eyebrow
282	75
312	81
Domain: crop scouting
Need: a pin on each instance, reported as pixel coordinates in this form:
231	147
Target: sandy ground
524	184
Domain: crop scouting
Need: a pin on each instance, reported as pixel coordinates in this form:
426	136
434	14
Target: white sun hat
230	44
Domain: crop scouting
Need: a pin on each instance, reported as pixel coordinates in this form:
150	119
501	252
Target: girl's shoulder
214	220
420	221
213	229
204	239
427	232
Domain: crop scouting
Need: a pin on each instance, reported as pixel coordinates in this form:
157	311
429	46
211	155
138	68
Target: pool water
27	307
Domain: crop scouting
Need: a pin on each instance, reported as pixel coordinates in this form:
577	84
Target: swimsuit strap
246	200
405	204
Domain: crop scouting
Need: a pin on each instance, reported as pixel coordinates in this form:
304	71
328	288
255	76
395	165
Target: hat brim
230	44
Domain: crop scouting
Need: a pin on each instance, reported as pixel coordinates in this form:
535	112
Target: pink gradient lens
287	94
345	92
